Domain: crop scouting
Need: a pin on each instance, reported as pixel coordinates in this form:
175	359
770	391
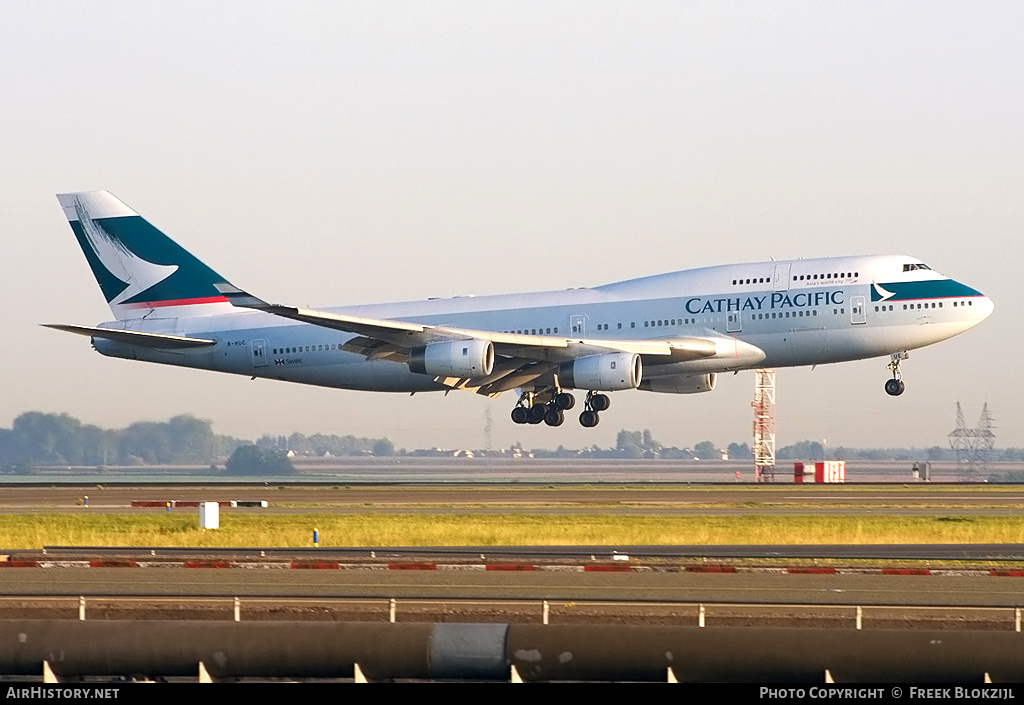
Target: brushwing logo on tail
138	274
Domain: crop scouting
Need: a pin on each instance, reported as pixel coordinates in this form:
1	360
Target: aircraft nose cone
985	306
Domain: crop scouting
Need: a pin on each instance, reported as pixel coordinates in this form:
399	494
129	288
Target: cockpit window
912	267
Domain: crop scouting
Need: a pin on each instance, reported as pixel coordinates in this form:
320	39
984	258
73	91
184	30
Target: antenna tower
488	429
764	425
973	446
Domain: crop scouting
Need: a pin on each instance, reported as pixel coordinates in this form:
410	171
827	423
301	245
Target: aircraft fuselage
800	312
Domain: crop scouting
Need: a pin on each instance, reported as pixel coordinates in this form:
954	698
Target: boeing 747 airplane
672	333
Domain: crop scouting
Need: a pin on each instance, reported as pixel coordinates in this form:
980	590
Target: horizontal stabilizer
149	340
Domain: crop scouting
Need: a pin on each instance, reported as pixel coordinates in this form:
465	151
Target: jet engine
453	358
680	384
608	372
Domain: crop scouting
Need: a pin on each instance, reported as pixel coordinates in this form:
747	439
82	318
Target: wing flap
512	374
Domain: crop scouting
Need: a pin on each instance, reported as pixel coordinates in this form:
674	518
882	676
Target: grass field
33	531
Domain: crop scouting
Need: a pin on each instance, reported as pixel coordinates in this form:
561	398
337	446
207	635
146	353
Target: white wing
522	358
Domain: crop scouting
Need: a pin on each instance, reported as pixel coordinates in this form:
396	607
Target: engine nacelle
680	384
453	358
607	373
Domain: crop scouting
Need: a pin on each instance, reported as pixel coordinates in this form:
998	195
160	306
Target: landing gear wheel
564	401
554	417
536	414
894	387
600	402
520	415
589	419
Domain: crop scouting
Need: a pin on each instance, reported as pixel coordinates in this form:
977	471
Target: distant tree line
812	450
641	444
320	444
37	438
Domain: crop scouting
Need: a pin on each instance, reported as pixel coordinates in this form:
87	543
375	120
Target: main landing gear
594	403
894	387
531	409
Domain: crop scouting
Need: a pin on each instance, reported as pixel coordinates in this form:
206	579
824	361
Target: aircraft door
858	310
780	282
733	322
259	352
578	326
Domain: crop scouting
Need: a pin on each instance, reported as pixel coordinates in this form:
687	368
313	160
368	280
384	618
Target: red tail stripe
177	302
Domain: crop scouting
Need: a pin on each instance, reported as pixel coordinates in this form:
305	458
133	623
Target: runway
445	469
643	499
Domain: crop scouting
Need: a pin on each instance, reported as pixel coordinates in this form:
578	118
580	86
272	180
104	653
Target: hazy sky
324	153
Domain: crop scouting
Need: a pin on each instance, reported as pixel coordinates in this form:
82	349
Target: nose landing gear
894	387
